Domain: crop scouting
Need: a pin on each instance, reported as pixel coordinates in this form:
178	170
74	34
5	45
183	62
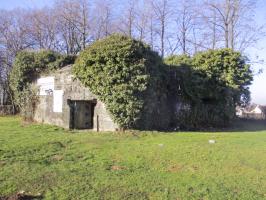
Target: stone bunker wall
53	107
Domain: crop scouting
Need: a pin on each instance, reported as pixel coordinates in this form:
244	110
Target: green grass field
148	165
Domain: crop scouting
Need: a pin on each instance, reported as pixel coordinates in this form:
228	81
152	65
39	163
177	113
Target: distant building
252	111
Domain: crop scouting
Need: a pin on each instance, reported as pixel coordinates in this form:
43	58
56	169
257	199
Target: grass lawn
66	165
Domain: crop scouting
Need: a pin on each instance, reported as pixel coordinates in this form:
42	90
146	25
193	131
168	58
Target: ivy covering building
120	83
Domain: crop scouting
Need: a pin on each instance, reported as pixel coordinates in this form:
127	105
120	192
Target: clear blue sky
258	88
11	4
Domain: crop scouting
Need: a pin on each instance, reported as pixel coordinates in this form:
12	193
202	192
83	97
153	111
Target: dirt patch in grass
22	196
2	163
175	168
117	168
57	157
193	168
56	144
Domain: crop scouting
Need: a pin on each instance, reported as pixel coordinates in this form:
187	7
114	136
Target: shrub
187	88
211	83
27	67
28	100
229	70
126	75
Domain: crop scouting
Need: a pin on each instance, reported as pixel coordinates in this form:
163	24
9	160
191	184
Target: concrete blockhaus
65	102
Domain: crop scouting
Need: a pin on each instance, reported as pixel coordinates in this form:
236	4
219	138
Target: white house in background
258	110
239	111
252	112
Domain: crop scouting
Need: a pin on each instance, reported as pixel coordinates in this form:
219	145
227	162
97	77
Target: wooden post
97	123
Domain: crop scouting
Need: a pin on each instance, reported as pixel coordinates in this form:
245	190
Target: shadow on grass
22	196
245	125
238	125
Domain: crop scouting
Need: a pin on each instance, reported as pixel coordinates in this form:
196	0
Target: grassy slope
63	165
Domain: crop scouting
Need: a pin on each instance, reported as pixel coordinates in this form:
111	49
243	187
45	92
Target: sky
11	4
258	87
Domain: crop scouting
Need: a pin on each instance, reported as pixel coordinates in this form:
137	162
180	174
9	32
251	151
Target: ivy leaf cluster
212	82
125	74
27	67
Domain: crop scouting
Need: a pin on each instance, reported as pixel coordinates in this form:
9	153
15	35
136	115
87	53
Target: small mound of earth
115	168
21	196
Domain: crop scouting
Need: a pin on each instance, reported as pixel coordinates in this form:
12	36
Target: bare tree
102	19
233	19
73	24
14	31
142	18
43	28
147	20
185	24
14	37
128	18
162	11
168	26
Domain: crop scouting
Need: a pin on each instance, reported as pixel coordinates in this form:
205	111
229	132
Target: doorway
81	114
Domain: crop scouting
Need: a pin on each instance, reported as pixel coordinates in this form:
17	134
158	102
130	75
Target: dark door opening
81	114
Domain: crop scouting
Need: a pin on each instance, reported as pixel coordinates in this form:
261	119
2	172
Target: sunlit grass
148	165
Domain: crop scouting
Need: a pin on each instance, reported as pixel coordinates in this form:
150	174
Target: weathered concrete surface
73	90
